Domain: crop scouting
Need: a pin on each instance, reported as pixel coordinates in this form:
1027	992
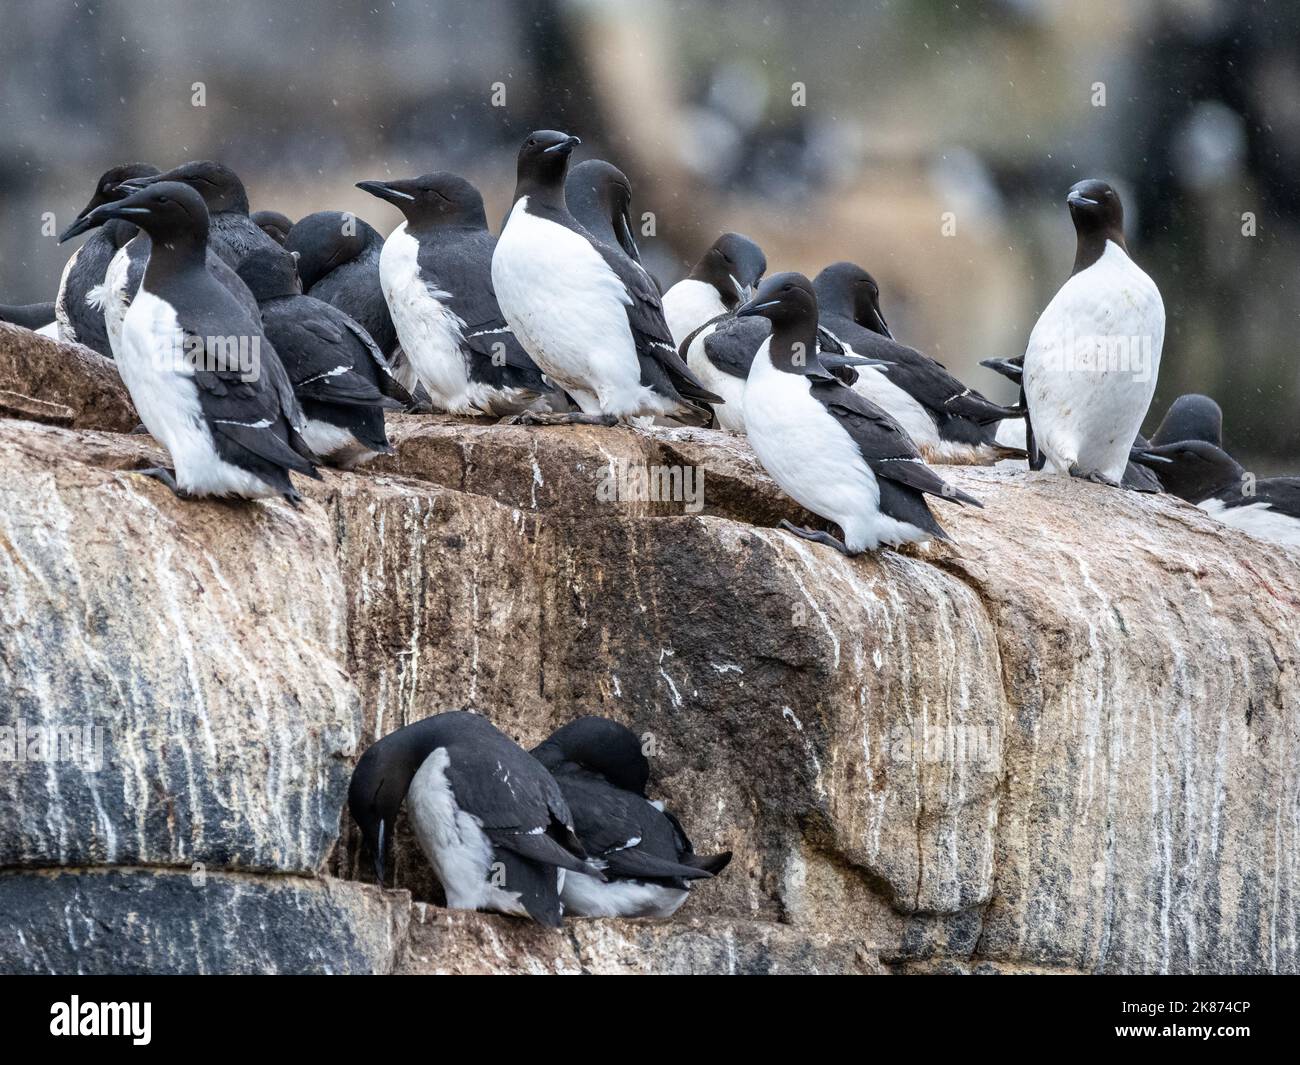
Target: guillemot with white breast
202	375
436	273
590	318
830	448
948	421
1091	363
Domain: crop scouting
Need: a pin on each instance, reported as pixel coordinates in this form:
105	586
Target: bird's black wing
461	269
625	831
734	342
326	361
662	368
885	445
1280	493
923	378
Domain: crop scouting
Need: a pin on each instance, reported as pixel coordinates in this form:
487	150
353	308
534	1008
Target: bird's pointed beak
753	307
1078	199
99	215
135	184
625	220
380	851
882	327
1147	457
391	191
566	145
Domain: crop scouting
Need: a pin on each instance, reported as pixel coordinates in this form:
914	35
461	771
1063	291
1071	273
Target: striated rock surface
61	384
1067	743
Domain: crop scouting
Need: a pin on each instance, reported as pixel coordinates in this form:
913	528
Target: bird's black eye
163	199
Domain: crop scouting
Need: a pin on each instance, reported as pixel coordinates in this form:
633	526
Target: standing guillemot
720	282
1190	417
1091	363
230	429
491	820
946	420
436	272
340	377
588	316
232	233
647	859
1207	476
830	448
599	196
274	224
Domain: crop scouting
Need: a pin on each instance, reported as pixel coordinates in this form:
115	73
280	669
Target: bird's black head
544	161
375	795
441	199
274	224
270	273
170	212
109	187
847	289
326	240
733	265
600	746
599	196
1191	417
1095	208
219	186
783	299
1191	469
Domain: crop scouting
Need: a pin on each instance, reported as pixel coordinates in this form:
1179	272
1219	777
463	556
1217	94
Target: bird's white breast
112	297
688	305
568	310
431	335
66	332
1091	365
805	450
730	414
874	383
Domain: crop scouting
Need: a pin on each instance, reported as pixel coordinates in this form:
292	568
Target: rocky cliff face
1067	743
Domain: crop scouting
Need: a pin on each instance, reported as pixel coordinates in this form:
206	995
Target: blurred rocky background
842	129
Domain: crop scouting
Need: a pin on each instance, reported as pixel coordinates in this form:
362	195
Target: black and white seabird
204	379
946	420
274	224
721	281
648	861
1205	475
590	318
1092	360
491	820
436	272
830	448
599	196
1190	417
232	233
338	261
341	378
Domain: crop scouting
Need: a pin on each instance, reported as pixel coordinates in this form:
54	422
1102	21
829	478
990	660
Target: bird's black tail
29	315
